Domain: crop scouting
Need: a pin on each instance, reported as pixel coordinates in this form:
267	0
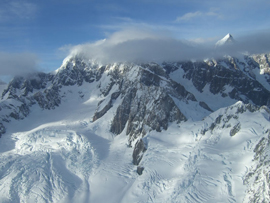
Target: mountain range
183	131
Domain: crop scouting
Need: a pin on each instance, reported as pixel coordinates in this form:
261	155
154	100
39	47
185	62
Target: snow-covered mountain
138	132
228	39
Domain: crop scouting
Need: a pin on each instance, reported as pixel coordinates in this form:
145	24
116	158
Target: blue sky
34	33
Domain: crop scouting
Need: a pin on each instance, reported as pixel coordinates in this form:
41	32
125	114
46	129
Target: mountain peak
228	39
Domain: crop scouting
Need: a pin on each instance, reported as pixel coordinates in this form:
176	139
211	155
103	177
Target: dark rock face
2	129
167	112
122	113
258	178
151	106
261	60
133	112
103	111
27	85
76	71
21	112
138	151
226	72
45	89
140	170
235	129
205	106
232	113
49	98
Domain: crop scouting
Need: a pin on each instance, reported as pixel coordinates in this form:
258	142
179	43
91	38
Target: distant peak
228	35
228	39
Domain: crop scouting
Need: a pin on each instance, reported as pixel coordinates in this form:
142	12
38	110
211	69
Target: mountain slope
85	132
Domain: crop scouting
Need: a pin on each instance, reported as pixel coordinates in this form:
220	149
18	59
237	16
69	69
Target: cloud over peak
135	45
15	64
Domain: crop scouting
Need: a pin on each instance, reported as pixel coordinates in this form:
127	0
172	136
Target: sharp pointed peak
228	35
225	40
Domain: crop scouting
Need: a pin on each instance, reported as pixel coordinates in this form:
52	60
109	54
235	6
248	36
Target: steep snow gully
127	132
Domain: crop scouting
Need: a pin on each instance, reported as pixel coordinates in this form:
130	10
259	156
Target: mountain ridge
104	123
208	70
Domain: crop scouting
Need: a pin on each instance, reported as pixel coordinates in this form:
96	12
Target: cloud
201	40
16	64
189	16
253	43
11	10
134	45
198	14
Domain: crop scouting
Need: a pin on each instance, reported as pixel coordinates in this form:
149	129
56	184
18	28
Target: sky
38	35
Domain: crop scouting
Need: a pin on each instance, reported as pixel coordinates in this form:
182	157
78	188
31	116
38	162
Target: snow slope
62	156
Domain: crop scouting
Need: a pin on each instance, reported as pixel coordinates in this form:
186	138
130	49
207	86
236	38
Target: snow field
66	157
